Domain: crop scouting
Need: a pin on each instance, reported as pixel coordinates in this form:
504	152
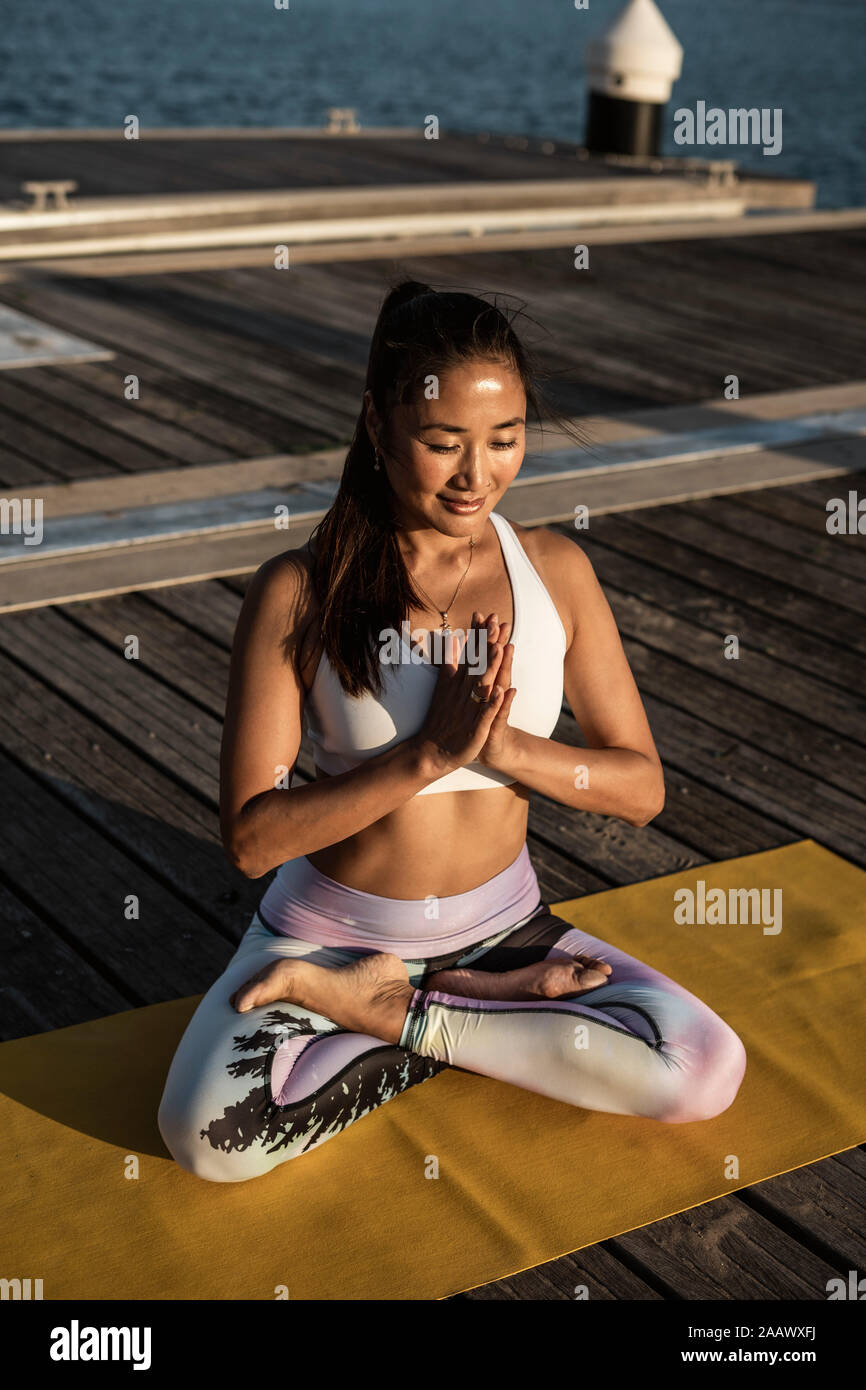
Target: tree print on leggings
377	1075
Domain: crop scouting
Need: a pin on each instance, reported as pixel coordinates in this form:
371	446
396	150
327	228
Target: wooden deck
113	166
110	767
250	362
109	787
104	164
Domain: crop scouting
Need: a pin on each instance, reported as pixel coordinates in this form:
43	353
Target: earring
376	464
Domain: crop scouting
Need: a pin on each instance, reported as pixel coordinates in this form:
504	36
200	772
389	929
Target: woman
404	930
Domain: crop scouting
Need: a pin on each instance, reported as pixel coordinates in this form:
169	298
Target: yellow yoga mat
94	1207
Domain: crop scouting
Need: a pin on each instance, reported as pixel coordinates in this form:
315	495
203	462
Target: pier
708	515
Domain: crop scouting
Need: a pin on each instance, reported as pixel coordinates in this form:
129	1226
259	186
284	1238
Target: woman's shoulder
562	565
287	576
552	551
281	593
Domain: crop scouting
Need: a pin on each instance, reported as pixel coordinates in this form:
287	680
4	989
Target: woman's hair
359	577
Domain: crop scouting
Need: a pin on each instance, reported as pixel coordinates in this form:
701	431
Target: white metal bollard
631	69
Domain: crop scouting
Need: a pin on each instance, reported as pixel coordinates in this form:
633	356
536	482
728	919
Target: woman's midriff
443	844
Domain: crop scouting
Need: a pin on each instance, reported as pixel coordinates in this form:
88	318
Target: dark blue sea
503	65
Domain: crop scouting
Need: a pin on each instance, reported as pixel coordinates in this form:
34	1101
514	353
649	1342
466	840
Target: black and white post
631	69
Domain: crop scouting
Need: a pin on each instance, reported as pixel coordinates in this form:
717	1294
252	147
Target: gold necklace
445	611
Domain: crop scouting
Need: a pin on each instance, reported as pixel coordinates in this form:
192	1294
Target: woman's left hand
501	738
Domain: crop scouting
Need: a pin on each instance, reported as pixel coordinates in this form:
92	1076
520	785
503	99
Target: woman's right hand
456	727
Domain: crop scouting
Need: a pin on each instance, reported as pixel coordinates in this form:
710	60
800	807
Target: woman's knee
709	1085
188	1141
190	1149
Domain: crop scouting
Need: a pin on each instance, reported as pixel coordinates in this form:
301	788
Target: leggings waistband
303	902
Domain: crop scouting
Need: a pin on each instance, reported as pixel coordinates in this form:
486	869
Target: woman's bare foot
547	979
369	996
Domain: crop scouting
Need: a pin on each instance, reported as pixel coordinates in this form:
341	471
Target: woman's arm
263	823
619	773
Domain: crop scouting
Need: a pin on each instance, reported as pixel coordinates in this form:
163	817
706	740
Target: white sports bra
345	730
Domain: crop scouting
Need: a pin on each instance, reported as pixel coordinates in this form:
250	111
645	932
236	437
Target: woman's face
449	459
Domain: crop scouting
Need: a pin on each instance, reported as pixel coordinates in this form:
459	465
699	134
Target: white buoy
631	69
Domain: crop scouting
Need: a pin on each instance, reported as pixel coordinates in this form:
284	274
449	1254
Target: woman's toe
591	977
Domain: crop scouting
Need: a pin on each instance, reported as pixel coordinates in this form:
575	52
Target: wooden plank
188	160
737	573
134	527
816	545
823	1206
245	159
807	522
17	471
45	983
618	231
87	215
156	565
757	809
689	742
713	822
837	717
125	697
614	850
706	599
199	413
634	489
57	455
204	513
595	1269
704	414
131	433
559	877
698	825
845	592
736	713
81	887
341	233
171	652
106	446
817	492
721	1250
721	440
128	798
210	608
250	157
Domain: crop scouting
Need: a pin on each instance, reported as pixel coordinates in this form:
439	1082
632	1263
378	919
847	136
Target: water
502	65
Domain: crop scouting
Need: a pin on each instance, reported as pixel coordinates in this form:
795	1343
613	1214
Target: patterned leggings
245	1092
